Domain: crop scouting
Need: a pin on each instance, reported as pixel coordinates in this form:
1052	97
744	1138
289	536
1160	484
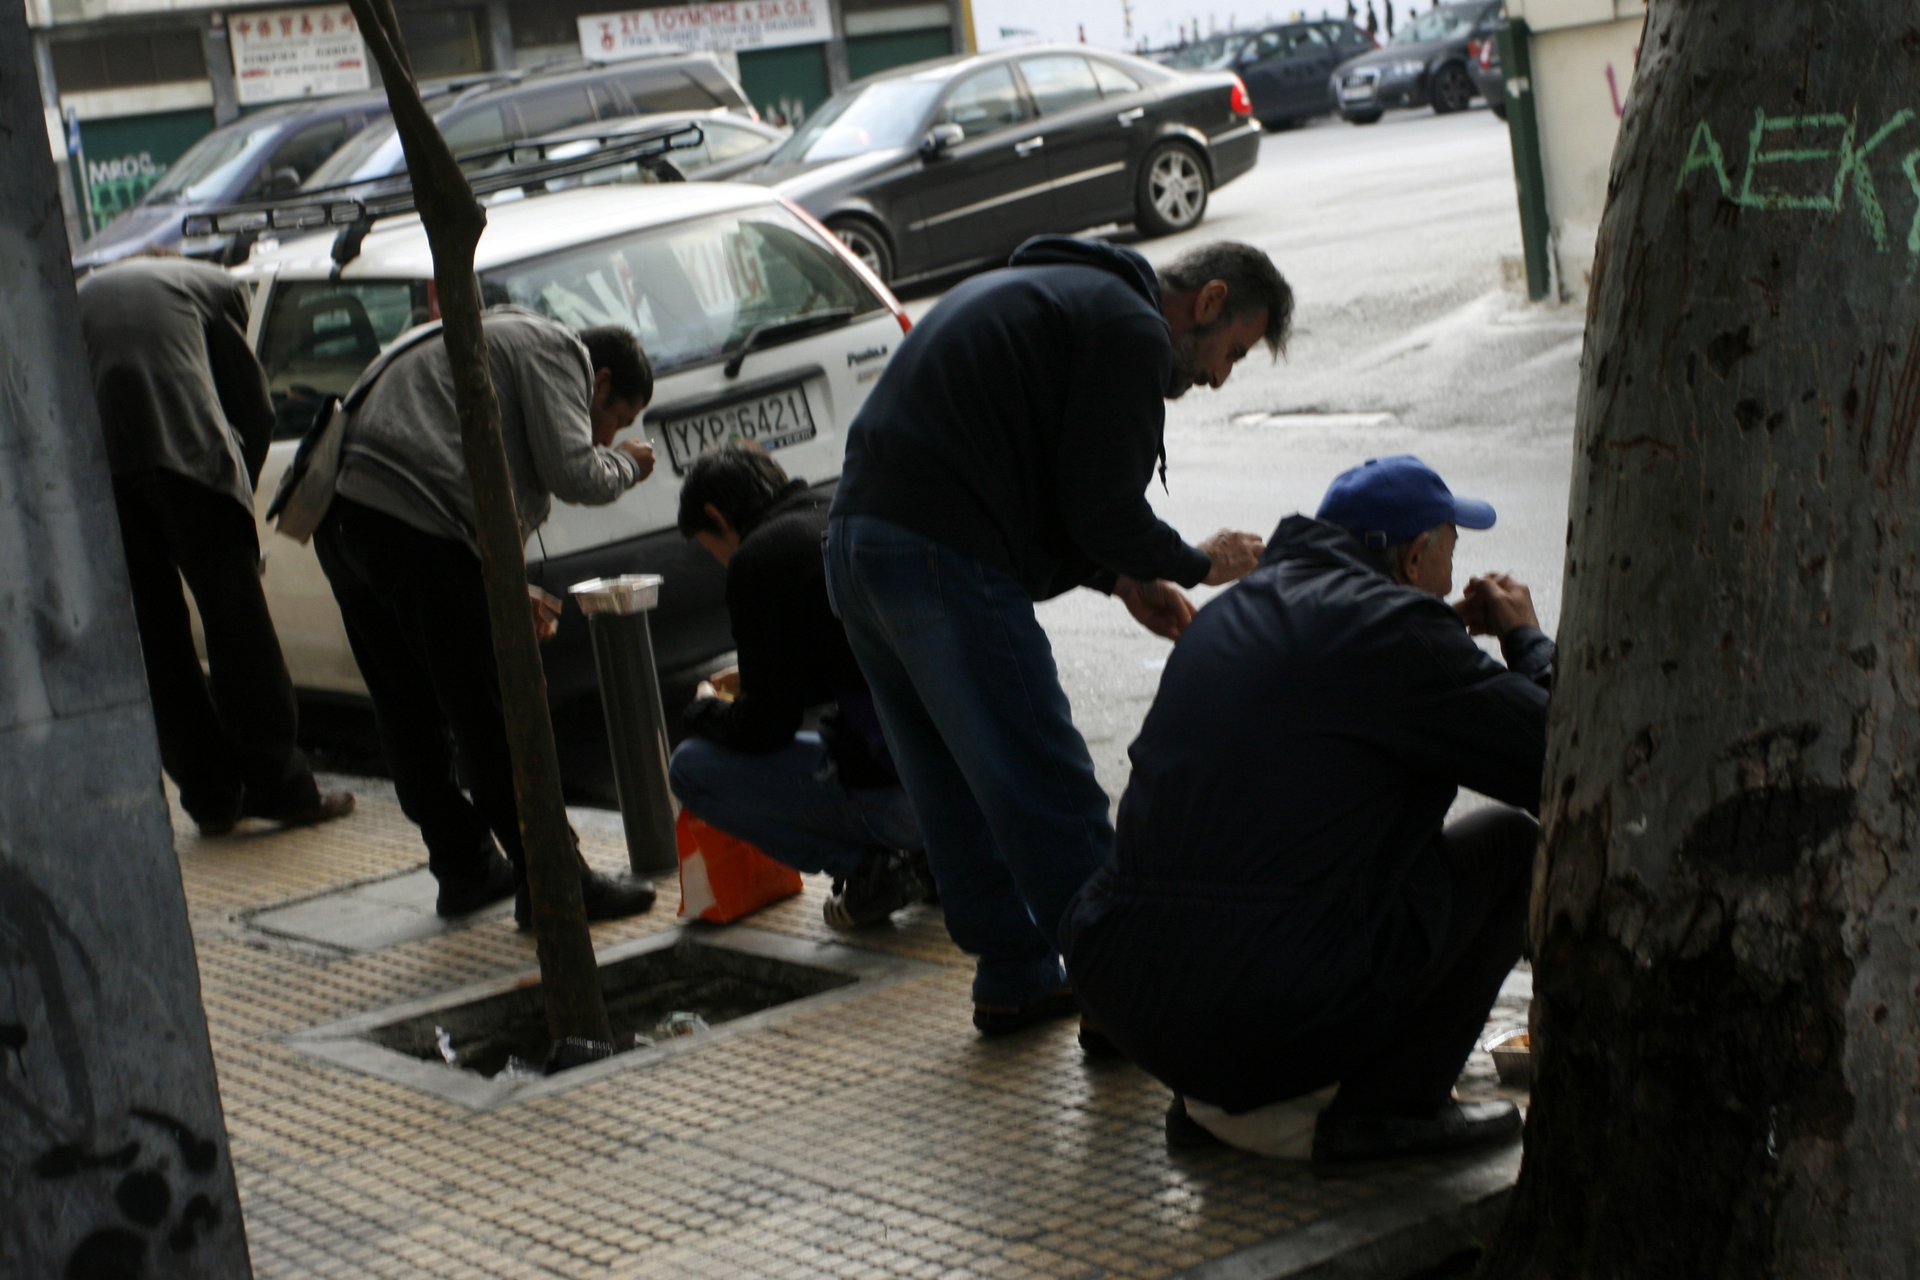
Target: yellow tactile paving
876	1138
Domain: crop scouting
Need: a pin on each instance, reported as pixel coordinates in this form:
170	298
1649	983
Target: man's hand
1234	556
723	684
1160	607
546	612
641	452
1496	604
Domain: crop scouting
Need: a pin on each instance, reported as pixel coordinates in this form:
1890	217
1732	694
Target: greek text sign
297	53
748	24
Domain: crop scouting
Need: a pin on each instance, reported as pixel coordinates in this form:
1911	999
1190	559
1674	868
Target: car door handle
1028	147
1126	118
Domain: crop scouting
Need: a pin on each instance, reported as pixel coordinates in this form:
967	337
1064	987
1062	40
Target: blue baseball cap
1390	500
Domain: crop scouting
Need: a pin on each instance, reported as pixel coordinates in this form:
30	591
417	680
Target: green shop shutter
785	83
868	54
128	155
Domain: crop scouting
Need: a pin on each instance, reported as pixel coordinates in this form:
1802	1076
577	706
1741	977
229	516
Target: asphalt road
1404	342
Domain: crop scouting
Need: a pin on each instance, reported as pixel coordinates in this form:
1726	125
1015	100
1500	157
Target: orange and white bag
722	878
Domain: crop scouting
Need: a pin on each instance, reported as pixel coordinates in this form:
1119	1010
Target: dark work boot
1354	1138
606	898
461	896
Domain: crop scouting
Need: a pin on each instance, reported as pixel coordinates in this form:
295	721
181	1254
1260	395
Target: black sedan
948	165
1425	64
1286	68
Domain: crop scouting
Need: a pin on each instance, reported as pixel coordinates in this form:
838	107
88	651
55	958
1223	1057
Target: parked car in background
543	103
948	165
1286	68
1425	64
265	153
761	326
730	145
1215	53
1483	64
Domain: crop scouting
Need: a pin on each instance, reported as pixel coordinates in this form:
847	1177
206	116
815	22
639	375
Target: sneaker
996	1020
929	891
606	898
461	896
1353	1138
881	885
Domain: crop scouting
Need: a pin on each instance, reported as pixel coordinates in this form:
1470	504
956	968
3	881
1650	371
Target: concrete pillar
113	1152
219	54
500	34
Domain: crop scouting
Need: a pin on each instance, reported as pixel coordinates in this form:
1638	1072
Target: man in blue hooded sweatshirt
1002	459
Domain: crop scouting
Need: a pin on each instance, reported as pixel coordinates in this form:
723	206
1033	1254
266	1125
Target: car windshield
321	334
211	166
694	290
885	114
357	150
1212	52
1437	24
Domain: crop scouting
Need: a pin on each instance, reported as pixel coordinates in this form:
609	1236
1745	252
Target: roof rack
503	168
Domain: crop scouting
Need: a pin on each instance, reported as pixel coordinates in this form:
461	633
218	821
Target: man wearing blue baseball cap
1287	910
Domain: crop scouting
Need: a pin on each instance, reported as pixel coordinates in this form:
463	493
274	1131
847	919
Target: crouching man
1285	910
827	801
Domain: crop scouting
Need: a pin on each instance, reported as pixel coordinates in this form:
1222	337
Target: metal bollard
616	610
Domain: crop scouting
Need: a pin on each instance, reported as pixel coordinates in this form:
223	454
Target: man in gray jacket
397	544
184	406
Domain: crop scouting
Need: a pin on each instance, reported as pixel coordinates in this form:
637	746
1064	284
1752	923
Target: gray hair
1253	284
1392	558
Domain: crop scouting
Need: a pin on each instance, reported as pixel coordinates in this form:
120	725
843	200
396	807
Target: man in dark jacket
188	420
1284	909
827	801
1003	458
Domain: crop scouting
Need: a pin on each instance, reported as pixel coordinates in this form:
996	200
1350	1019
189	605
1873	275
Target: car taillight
852	259
1241	104
1473	50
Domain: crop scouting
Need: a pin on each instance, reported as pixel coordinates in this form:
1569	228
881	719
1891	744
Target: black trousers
1237	1001
1416	1056
226	734
415	609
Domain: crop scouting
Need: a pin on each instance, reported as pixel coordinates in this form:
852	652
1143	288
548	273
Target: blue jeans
980	729
790	804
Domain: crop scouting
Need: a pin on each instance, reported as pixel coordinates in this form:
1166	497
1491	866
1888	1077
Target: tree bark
1724	916
453	219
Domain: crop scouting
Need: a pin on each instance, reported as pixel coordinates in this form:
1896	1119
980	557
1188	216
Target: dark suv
544	103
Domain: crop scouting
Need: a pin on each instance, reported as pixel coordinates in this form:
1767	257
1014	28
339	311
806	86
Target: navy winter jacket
1020	422
1279	829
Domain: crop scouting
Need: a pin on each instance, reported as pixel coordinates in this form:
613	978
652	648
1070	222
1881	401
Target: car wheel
1364	117
1173	190
1500	109
868	243
1452	89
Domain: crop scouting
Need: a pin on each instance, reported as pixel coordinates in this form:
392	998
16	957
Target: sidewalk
874	1136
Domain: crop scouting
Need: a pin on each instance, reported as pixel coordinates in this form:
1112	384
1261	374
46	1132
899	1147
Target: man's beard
1186	358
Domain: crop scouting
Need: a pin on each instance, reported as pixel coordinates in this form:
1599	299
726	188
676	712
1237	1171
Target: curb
1419	1227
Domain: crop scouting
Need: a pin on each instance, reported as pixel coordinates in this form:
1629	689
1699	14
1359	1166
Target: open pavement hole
461	1045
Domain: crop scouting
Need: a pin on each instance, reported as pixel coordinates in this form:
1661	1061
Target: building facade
128	85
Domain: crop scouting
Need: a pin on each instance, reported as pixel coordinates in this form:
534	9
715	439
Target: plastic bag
721	878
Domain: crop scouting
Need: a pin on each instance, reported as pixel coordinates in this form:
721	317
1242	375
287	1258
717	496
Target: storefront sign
748	24
297	53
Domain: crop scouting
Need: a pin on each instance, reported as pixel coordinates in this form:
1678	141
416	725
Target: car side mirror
283	181
940	139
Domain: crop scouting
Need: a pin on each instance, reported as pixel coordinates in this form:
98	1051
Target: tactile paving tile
880	1137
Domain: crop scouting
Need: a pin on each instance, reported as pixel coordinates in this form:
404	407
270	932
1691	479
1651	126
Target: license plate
1353	93
772	421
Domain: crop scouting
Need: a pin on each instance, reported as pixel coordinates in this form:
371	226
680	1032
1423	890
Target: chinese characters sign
748	24
297	53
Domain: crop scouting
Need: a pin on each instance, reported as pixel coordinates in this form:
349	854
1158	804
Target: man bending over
1285	910
827	801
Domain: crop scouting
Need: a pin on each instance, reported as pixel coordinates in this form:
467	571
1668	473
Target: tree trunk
453	219
1724	915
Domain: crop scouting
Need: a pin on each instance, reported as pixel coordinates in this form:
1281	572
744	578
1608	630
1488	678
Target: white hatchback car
760	324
